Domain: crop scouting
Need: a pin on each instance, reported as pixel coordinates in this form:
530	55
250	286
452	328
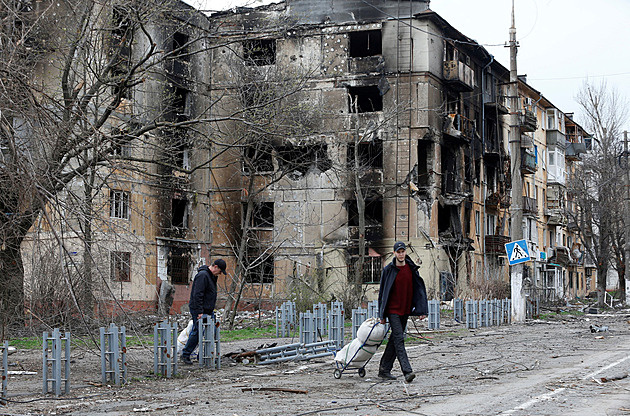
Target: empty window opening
365	99
448	220
372	268
259	52
180	104
180	46
121	51
119	204
120	266
121	146
450	168
424	162
260	269
370	154
179	213
178	266
257	158
262	215
365	43
373	212
296	161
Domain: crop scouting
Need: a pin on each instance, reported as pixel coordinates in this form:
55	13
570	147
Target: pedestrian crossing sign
517	252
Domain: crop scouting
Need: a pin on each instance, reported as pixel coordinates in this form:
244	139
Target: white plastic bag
182	338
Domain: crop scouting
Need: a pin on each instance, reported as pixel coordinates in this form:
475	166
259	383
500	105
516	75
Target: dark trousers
396	345
193	337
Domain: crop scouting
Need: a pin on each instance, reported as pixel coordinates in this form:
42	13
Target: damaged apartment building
299	141
366	124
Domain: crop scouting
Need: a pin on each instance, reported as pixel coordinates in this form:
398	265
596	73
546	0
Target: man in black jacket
203	297
402	293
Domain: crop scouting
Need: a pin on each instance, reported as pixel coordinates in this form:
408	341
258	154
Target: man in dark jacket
203	297
402	293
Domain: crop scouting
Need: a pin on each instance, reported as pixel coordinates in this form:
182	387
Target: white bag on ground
355	354
182	338
373	338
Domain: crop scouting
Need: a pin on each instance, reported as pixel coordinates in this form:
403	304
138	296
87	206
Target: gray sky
562	42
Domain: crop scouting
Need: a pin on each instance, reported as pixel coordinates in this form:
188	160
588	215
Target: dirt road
551	367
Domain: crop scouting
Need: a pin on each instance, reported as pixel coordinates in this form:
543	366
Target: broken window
121	143
424	162
296	161
370	154
120	262
177	266
373	217
365	99
122	37
259	52
257	158
372	268
260	268
180	47
262	215
451	181
119	204
179	213
448	220
365	43
180	104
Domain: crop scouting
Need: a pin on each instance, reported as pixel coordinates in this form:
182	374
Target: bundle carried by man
369	337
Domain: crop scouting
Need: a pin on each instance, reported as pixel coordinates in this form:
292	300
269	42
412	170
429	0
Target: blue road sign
517	252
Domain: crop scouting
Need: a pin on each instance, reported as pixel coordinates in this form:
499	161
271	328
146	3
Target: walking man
203	297
402	293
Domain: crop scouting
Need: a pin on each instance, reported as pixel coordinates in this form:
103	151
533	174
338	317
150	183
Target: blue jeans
396	345
193	337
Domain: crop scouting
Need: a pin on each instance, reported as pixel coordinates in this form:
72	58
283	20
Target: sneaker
409	377
386	375
186	360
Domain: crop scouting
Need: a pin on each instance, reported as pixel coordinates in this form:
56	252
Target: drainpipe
483	149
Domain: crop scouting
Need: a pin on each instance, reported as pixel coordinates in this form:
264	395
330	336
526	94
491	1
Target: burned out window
372	268
366	99
370	154
259	52
121	40
120	266
177	268
179	107
119	204
260	268
180	47
296	161
262	215
257	158
179	213
424	158
121	146
448	220
365	43
373	212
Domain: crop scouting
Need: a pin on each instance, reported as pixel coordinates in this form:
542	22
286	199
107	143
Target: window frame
119	204
120	265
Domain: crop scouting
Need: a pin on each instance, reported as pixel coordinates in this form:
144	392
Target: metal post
56	361
4	373
626	156
165	349
359	316
516	208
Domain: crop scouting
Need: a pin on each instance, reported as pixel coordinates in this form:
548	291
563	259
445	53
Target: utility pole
625	160
516	208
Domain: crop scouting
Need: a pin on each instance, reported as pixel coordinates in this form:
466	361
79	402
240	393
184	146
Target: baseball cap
220	263
399	245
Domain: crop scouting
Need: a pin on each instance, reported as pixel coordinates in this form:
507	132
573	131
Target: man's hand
422	317
383	321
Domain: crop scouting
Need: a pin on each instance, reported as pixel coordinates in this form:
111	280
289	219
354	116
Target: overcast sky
562	42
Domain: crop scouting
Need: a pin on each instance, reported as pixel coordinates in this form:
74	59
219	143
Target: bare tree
596	183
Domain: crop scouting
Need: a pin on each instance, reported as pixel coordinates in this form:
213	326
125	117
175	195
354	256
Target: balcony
528	162
527	121
556	138
574	150
495	244
559	256
458	76
458	126
495	104
530	206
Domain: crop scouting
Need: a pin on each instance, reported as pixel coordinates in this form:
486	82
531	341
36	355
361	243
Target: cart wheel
337	373
361	372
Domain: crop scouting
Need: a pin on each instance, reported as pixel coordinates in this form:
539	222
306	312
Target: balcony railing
456	125
459	75
528	162
528	121
495	243
556	138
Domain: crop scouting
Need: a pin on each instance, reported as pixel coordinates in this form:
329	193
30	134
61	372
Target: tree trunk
11	284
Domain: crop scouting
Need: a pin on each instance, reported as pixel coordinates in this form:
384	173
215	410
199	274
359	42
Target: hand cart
349	363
